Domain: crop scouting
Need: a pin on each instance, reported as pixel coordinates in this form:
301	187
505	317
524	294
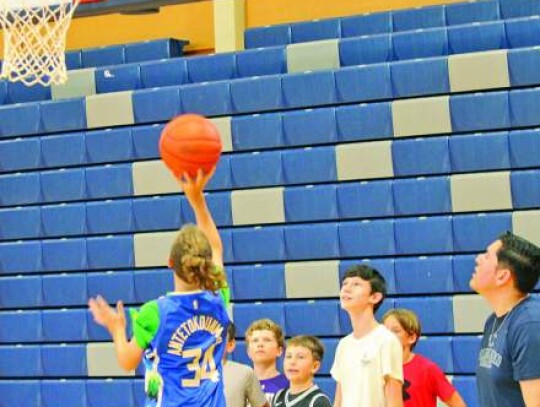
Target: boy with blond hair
265	343
424	380
303	358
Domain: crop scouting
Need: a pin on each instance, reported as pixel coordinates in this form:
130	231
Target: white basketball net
35	40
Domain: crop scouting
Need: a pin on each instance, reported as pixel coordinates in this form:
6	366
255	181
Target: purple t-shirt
271	386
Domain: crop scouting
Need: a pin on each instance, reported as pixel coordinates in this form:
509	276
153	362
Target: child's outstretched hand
107	316
194	187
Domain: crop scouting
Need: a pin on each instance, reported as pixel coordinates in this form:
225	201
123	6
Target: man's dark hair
522	258
372	276
231	331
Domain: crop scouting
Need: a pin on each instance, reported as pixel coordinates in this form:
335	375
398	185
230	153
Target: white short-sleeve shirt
362	365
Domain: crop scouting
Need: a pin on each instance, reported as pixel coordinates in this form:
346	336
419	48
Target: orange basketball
189	142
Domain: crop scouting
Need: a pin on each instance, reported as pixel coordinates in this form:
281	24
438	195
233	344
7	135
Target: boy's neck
265	371
180	286
363	322
296	388
407	355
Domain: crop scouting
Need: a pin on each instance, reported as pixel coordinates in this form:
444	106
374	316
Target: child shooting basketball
181	336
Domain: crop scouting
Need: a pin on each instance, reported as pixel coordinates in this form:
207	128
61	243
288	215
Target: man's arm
531	392
455	400
337	398
393	392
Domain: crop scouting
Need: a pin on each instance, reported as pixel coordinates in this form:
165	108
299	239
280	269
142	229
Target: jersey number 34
204	370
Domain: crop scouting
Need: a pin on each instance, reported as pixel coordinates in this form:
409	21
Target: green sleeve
225	292
145	323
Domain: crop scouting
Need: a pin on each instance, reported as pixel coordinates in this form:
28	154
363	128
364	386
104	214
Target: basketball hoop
35	40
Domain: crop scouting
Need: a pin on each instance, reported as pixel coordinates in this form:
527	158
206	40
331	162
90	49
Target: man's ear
376	298
504	276
316	366
170	263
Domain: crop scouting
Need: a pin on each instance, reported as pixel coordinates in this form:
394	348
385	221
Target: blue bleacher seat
420	44
214	67
152	50
366	121
164	73
257	169
156	104
439	350
345	321
95	331
20	119
316	30
431	235
463	267
64	254
330	346
299	318
434	153
366	24
426	275
146	140
63	393
519	8
307	89
21	393
73	60
110	252
473	233
435	313
157	213
244	314
311	241
109	181
63	149
363	83
365	50
219	205
63	185
480	111
222	178
523	32
20	222
422	196
257	131
365	199
63	115
525	189
465	351
383	266
310	202
425	17
110	216
420	77
366	238
261	62
258	282
479	152
64	325
258	244
268	36
228	250
105	146
524	105
20	326
310	126
257	94
20	154
476	37
327	385
472	12
117	78
302	166
18	257
103	56
139	394
240	353
114	286
466	386
3	92
524	145
64	289
522	65
151	284
64	220
18	92
20	361
21	292
207	98
109	392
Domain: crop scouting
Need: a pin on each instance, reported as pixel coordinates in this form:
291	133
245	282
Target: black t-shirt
312	397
